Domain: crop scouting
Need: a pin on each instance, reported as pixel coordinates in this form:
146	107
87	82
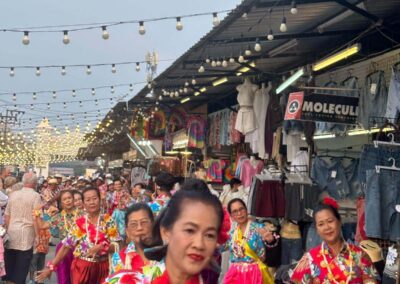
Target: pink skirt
243	272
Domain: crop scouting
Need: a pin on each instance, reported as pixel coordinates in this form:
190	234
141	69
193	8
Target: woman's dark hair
322	206
117	179
165	181
63	192
233	201
195	184
170	214
90	188
77	192
137	207
235	181
142	185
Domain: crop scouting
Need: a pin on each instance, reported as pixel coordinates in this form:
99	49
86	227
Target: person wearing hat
164	184
334	260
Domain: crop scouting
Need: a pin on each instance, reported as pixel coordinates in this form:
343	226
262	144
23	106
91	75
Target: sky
87	47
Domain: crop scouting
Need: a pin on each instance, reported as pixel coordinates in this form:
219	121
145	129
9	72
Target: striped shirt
19	209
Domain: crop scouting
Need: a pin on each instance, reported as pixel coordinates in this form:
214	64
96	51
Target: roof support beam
360	11
273	3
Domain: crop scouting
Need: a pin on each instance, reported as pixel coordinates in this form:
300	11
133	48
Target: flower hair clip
330	202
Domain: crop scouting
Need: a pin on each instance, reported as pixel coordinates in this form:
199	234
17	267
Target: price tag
333	174
373	88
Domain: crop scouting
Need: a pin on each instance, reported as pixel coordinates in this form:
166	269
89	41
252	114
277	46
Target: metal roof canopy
313	29
319	28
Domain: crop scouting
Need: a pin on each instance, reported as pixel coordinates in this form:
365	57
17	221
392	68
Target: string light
65	105
130	88
66	38
224	63
54	95
142	30
232	60
194	81
179	25
113	68
14	98
105	34
93	92
294	10
88	70
257	46
48	106
63	71
201	69
213	63
34	96
270	33
25	39
112	90
247	52
73	93
241	58
283	26
216	21
137	66
12	72
38	71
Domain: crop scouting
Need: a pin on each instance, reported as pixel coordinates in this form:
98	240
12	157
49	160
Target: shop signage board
322	107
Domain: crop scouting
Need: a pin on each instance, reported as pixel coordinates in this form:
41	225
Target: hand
92	252
266	235
42	275
36	241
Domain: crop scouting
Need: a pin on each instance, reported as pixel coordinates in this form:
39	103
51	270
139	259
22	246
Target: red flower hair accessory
330	202
223	235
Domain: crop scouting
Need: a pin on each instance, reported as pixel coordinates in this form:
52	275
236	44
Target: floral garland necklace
88	232
329	269
68	225
239	240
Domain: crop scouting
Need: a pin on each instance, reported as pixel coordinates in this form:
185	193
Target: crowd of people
107	230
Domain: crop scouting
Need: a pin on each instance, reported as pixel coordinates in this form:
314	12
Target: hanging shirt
249	170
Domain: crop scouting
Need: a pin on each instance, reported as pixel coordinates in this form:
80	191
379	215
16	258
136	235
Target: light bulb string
14	68
98	25
76	89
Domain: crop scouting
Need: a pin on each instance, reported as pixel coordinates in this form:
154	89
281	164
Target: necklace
88	233
67	225
329	269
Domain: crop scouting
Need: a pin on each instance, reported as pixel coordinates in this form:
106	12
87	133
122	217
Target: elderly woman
9	182
335	260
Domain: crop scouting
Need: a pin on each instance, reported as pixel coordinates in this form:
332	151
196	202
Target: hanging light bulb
137	66
130	88
216	21
80	103
112	90
244	16
213	63
185	90
231	60
186	83
160	98
219	63
105	35
179	25
93	92
247	52
241	58
65	37
201	69
224	63
38	71
113	68
176	94
142	30
96	102
208	60
31	106
12	73
270	35
34	96
88	70
65	105
25	39
63	70
194	81
14	97
73	93
294	10
48	105
257	46
283	26
54	95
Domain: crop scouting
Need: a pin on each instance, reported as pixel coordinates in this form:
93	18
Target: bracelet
51	266
37	212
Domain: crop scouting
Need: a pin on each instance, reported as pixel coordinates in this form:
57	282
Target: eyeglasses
142	223
237	211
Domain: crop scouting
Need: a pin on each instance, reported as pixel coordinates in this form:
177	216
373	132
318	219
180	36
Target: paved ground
49	256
